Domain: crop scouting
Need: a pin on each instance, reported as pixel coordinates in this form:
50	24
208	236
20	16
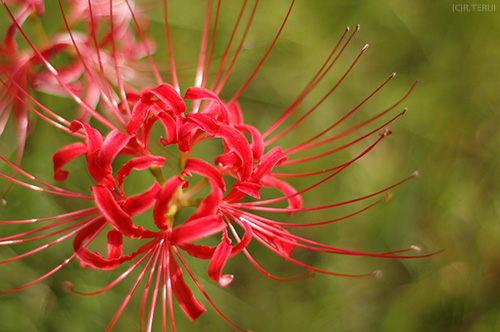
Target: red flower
110	94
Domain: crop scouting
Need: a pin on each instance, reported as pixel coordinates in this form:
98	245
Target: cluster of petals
116	132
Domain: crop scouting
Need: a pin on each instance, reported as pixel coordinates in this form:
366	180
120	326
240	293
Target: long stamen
302	118
63	124
304	275
200	287
56	190
309	267
132	290
109	95
56	75
224	79
308	143
173	69
266	54
329	152
312	84
256	205
57	268
156	72
228	48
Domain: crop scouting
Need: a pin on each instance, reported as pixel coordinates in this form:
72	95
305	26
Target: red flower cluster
120	129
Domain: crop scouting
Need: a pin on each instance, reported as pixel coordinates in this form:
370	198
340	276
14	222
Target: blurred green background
450	135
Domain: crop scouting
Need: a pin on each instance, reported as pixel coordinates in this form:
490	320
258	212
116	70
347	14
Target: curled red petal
167	94
115	215
202	121
115	244
253	185
197	229
65	155
294	202
89	259
138	163
209	205
172	127
272	158
138	204
230	160
94	137
196	93
236	113
235	141
257	140
188	303
100	161
163	199
196	250
245	187
114	142
203	168
219	258
140	112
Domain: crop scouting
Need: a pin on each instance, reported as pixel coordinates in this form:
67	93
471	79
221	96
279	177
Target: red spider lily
111	95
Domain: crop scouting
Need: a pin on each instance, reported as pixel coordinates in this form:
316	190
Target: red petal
196	93
115	215
188	303
163	200
257	140
114	142
138	163
294	202
210	205
237	142
272	158
198	251
138	204
220	256
99	162
246	187
93	260
197	229
140	112
115	244
236	114
167	94
203	168
94	137
65	155
172	128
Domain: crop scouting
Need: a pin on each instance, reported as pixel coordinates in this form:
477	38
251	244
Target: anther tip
365	47
392	75
377	273
415	174
3	202
347	29
415	248
357	27
405	110
387	197
386	132
67	286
